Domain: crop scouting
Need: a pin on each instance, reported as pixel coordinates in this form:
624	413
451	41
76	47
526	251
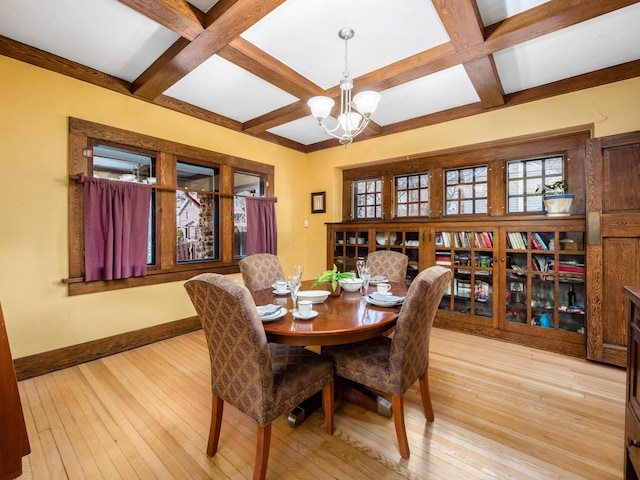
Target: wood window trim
569	142
81	132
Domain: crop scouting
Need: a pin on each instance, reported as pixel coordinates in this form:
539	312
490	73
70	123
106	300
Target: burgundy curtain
116	228
262	230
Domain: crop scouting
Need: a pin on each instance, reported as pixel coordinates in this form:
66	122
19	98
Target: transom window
524	177
367	198
466	191
412	195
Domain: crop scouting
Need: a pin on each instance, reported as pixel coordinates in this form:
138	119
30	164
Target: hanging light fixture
350	123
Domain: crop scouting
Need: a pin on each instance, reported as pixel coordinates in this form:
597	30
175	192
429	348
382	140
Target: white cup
281	286
383	288
304	308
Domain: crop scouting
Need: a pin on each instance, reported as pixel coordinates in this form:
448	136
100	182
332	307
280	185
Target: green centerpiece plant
333	277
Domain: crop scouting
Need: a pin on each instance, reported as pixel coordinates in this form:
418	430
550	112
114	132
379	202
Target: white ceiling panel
493	11
598	43
433	93
102	34
305	131
303	34
222	87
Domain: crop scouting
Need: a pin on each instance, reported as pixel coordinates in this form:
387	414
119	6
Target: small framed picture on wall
319	202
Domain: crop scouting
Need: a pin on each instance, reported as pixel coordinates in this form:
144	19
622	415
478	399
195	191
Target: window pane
129	166
469	195
197	213
367	198
245	184
525	177
412	195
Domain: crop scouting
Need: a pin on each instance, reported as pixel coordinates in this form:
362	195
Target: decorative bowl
315	296
351	284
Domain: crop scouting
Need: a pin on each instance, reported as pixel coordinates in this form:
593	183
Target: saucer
283	292
298	316
386	294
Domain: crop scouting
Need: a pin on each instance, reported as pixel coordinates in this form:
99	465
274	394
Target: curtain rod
79	178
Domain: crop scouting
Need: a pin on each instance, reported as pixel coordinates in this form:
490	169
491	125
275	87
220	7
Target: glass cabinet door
405	242
469	254
348	246
545	279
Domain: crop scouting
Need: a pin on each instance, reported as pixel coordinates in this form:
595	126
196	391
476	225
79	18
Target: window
193	216
128	165
412	195
524	177
244	184
466	190
367	198
197	213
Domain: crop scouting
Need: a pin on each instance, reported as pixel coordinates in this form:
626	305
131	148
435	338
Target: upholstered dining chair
260	270
262	380
392	365
388	263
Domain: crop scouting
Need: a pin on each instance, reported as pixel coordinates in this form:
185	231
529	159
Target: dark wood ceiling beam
485	79
463	23
547	18
283	115
261	64
177	15
231	19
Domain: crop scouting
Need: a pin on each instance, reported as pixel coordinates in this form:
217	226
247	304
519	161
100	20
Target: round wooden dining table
346	318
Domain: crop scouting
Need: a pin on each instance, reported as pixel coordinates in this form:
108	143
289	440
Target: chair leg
262	452
217	405
426	396
397	404
327	403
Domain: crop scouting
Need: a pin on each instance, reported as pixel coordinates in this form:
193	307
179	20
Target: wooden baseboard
41	363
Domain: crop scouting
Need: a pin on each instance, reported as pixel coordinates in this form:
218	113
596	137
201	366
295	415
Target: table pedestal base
345	390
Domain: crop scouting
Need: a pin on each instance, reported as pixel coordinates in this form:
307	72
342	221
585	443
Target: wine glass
294	285
359	265
365	275
298	269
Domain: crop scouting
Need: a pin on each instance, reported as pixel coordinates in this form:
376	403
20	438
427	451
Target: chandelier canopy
350	122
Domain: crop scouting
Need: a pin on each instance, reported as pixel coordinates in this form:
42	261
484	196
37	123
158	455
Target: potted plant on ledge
557	201
333	277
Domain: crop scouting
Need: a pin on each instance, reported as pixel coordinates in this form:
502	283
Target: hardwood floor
503	411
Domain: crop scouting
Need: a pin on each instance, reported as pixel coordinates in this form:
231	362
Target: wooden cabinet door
613	241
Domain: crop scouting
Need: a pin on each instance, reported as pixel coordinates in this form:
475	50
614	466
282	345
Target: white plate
379	303
386	297
297	315
278	292
376	279
316	296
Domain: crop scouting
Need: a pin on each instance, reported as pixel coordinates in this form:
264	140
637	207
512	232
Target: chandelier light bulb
320	107
366	102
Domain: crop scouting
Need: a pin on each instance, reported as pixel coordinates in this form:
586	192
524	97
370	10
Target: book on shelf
540	241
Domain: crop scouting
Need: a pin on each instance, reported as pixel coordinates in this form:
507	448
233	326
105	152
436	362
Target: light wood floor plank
503	411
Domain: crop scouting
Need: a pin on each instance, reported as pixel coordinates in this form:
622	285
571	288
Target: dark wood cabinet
511	278
613	241
632	414
14	443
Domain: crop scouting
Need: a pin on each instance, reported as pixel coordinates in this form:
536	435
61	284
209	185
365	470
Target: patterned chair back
241	371
260	270
388	263
409	355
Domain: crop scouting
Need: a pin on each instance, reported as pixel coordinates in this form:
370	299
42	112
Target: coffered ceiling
251	65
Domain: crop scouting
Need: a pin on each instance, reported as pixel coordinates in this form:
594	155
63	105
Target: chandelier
350	123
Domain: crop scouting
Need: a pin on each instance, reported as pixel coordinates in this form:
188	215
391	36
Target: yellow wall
35	105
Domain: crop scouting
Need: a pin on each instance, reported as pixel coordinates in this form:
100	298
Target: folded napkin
268	310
